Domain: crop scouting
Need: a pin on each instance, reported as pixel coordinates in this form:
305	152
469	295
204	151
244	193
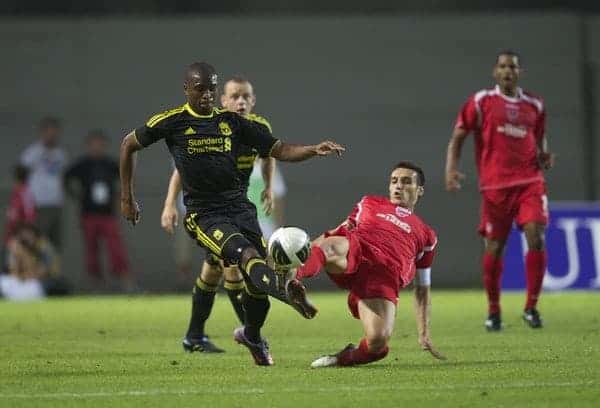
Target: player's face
507	71
201	91
404	188
238	97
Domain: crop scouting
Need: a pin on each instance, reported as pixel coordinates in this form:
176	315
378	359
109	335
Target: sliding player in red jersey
511	152
379	249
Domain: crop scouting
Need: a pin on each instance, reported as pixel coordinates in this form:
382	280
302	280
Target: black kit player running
204	142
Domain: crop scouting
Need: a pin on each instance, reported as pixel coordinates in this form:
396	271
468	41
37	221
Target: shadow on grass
451	363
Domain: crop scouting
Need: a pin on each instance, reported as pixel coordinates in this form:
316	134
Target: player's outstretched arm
422	311
127	158
295	153
170	215
453	176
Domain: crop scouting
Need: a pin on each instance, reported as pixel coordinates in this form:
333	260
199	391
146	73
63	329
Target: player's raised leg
203	297
330	252
261	279
535	268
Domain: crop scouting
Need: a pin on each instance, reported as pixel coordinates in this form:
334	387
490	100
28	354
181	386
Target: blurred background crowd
43	178
385	78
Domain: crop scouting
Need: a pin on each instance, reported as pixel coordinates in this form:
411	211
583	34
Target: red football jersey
397	238
20	209
506	134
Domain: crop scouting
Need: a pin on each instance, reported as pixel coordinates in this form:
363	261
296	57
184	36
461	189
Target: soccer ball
289	247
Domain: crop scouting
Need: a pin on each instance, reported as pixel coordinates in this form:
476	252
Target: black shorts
212	228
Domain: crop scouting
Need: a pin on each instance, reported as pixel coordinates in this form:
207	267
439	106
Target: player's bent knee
238	250
334	247
248	253
495	247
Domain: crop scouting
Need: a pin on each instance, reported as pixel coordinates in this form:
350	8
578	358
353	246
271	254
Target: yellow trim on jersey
163	115
215	111
259	119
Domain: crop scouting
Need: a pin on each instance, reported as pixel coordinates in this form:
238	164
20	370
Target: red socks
535	267
361	355
492	277
313	265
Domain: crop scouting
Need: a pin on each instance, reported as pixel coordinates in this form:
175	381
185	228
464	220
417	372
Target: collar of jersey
509	98
189	109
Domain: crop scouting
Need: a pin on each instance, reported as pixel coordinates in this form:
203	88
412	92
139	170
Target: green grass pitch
125	351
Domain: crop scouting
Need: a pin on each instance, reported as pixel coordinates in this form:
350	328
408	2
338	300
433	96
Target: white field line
323	390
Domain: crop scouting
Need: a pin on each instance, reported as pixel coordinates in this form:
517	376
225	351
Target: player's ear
185	88
420	191
223	100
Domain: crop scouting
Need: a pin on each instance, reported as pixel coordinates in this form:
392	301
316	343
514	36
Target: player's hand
453	179
328	147
267	200
130	210
169	218
426	345
546	160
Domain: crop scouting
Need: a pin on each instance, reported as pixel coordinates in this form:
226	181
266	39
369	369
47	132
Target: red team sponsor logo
396	221
507	131
402	212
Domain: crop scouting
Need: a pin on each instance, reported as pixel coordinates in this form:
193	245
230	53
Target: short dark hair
510	53
204	69
95	134
48	122
20	173
412	166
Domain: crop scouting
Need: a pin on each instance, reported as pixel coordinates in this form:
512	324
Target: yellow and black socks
203	298
264	279
235	290
256	308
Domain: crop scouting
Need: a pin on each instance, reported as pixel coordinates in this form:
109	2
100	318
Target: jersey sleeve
540	128
425	257
258	136
468	117
154	130
354	217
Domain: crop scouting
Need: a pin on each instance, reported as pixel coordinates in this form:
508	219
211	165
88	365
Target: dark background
383	78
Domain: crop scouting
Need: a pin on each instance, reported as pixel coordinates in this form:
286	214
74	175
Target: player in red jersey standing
511	151
379	249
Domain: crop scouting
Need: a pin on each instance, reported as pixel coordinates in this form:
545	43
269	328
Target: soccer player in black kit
204	142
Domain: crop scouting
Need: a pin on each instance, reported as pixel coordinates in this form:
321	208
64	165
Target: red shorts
523	204
366	276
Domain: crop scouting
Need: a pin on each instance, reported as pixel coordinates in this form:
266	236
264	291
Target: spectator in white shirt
46	161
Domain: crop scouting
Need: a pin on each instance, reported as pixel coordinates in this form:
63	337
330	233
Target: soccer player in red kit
379	249
511	152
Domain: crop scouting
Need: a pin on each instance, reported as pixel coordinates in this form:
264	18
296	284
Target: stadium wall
387	87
